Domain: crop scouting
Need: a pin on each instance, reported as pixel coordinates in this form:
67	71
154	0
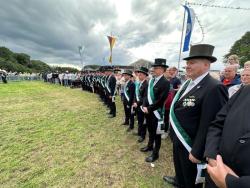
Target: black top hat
129	72
201	51
159	62
117	70
143	70
108	68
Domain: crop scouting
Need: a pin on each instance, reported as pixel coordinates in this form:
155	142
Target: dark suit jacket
130	88
112	85
210	96
229	136
142	93
161	89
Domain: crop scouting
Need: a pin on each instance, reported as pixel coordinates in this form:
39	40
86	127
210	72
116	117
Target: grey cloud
53	29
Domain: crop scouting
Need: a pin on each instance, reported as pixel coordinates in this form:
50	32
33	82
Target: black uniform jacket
197	109
229	136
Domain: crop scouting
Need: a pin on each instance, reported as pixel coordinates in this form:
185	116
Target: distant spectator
66	79
231	77
245	80
176	82
247	65
167	74
3	75
233	60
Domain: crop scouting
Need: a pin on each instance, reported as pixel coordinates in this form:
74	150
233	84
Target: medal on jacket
190	102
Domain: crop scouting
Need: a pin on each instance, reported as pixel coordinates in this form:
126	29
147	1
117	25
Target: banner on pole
189	27
111	44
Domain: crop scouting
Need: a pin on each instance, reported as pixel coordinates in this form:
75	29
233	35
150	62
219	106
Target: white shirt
157	79
140	83
194	83
126	83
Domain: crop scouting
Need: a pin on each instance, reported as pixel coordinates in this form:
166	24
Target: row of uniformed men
198	135
144	97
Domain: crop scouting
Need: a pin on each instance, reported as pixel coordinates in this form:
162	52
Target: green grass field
51	136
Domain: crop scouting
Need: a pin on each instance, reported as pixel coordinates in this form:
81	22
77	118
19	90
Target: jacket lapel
194	89
159	82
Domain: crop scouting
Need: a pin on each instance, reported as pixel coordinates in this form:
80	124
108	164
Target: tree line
21	62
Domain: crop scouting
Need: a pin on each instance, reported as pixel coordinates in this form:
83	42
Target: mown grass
51	136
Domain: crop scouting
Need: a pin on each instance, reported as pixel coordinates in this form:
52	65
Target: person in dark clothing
228	144
153	107
129	93
111	88
193	109
140	96
3	75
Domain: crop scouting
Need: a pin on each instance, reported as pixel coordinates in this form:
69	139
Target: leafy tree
64	69
22	58
241	48
21	62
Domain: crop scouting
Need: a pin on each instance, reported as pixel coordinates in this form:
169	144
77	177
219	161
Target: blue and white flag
189	27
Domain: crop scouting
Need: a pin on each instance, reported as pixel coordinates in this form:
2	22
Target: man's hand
212	162
230	171
135	105
145	110
110	97
219	172
193	159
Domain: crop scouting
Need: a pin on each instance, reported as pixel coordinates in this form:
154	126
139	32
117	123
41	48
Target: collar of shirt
141	82
192	84
127	82
157	79
198	80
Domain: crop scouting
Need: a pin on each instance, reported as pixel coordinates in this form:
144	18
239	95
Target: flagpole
183	24
111	55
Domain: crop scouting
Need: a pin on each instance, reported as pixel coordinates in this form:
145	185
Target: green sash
182	135
125	92
159	113
137	87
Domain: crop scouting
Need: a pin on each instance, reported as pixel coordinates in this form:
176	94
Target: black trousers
154	140
4	79
129	118
185	170
112	107
142	128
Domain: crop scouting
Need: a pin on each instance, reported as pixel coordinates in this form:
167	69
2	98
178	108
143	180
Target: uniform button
242	141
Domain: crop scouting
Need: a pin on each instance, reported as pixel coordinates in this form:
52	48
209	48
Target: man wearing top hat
129	92
193	108
153	107
140	96
111	87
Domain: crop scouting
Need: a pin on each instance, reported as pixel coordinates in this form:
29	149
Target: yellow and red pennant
111	44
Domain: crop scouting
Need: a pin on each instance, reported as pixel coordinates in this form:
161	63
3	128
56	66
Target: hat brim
212	59
111	70
128	74
142	72
165	66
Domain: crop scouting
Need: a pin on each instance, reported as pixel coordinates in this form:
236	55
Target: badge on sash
160	127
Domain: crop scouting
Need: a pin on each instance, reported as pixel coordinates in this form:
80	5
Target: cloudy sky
52	30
